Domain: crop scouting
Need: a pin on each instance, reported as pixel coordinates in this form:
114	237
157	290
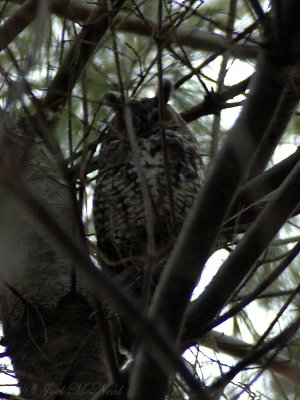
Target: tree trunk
50	328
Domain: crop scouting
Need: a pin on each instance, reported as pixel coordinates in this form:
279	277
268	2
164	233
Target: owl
150	171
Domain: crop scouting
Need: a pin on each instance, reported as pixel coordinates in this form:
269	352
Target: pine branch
192	250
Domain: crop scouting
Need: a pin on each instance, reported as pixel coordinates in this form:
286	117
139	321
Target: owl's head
143	114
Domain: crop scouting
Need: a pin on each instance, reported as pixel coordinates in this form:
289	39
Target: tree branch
254	356
234	347
214	102
78	56
238	264
277	126
202	225
14	25
284	32
247	205
240	305
103	288
193	38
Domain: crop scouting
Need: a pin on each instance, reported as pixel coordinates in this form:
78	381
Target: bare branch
78	56
17	23
245	205
186	262
278	125
241	304
214	102
288	368
193	38
254	356
257	238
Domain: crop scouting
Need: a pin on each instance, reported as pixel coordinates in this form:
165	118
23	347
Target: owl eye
112	100
167	89
155	115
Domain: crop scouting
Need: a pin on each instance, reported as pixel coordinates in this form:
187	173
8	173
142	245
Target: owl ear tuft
167	89
113	100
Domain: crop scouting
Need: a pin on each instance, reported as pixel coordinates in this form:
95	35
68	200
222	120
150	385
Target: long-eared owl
150	171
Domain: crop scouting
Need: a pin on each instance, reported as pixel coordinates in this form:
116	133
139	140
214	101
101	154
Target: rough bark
49	329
